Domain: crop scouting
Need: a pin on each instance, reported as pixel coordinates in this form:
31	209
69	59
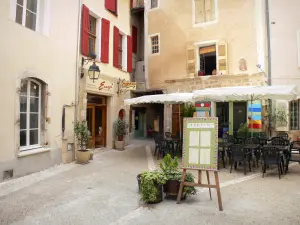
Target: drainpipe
78	64
268	42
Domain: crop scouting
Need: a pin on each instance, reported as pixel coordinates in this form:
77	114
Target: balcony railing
137	5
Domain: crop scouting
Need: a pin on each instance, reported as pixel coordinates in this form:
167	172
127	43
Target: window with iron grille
294	115
155	44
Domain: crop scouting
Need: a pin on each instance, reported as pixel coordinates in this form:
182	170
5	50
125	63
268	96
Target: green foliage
243	129
121	127
149	183
277	117
82	134
188	110
169	167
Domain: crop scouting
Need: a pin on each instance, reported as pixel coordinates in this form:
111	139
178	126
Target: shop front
100	106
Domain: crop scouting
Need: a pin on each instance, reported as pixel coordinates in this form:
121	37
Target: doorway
239	114
223	117
96	122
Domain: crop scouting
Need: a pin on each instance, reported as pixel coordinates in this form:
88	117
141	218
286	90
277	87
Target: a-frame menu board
200	153
200	143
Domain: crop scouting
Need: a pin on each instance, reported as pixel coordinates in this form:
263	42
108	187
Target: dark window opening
208	60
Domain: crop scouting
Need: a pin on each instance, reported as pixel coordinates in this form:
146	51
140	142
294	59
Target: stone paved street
105	192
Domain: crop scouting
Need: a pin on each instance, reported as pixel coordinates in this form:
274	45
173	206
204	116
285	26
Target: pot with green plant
82	135
169	167
151	186
121	130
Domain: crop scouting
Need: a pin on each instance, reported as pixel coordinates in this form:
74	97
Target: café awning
247	93
173	98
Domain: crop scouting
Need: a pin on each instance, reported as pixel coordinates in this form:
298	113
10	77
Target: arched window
30	114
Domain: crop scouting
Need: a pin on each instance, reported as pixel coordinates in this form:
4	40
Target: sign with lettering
200	143
128	86
101	85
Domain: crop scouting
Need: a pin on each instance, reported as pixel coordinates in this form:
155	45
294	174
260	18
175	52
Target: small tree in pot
169	167
121	127
82	135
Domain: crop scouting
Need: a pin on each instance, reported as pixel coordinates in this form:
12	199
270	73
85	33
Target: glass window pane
32	5
19	14
22	138
20	2
34	137
30	20
34	121
34	89
23	104
24	87
34	104
23	121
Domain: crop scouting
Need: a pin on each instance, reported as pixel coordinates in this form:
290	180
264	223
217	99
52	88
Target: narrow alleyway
104	192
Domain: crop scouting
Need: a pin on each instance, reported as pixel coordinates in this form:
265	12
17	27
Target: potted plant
82	135
169	167
121	130
151	186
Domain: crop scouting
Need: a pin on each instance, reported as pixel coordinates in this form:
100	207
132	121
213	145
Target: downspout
268	42
77	83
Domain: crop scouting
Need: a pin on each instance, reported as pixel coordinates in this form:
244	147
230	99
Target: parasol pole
179	121
251	100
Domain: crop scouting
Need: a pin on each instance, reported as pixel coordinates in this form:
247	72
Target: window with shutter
85	30
204	11
222	58
294	108
129	54
112	6
134	39
116	48
105	41
191	62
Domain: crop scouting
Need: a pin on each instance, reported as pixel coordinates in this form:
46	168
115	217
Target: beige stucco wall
108	72
237	25
284	19
25	53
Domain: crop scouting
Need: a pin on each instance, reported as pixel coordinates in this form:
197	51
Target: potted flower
121	130
82	135
151	186
169	167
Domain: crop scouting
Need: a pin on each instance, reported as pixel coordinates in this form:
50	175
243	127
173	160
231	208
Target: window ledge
33	152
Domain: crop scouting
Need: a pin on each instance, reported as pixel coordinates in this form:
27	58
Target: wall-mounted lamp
93	71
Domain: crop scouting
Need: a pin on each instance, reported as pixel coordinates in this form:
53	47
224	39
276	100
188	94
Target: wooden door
90	118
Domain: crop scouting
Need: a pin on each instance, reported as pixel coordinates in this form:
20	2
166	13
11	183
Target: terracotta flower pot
83	156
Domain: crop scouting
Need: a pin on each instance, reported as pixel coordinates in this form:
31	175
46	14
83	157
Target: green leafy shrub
121	127
82	134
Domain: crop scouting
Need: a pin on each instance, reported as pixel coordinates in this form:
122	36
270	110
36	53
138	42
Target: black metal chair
162	148
239	140
256	152
278	141
271	156
293	154
239	154
168	134
157	138
283	135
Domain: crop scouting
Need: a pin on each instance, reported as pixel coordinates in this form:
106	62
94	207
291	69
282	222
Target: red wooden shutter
105	41
129	54
131	4
116	47
85	30
111	5
134	39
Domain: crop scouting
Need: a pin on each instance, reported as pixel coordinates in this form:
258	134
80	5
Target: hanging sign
129	86
200	143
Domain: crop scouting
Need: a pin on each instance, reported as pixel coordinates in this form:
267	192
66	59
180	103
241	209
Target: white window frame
24	13
43	18
38	145
205	44
98	33
298	46
150	44
150	5
205	23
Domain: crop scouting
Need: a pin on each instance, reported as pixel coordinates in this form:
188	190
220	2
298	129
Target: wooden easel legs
199	184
